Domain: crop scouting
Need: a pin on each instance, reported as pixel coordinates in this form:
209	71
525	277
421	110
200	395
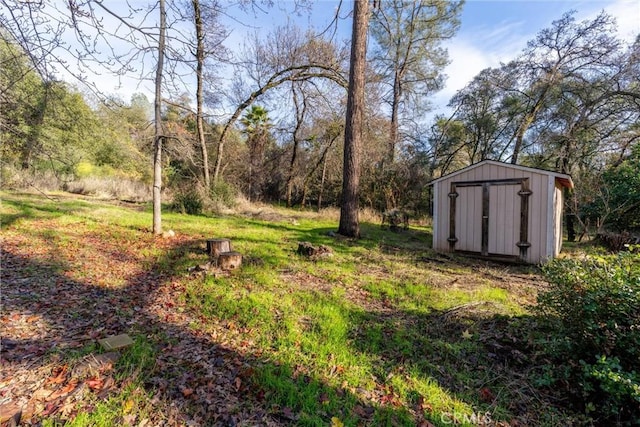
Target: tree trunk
296	142
529	118
349	225
157	146
324	174
199	97
393	128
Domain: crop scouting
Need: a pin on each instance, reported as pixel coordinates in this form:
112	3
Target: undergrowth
591	315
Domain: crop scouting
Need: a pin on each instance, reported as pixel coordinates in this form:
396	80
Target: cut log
216	246
229	260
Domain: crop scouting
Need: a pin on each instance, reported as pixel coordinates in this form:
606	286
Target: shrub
616	242
188	202
611	392
111	188
223	193
592	309
597	304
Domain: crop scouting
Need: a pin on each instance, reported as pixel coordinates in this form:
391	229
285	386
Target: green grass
365	336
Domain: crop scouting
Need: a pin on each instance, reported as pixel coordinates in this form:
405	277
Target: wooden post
216	246
229	260
524	194
453	194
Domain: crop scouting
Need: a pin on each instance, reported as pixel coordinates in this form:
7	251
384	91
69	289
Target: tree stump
229	260
307	249
216	246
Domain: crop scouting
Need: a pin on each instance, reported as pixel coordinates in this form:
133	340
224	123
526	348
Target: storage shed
499	210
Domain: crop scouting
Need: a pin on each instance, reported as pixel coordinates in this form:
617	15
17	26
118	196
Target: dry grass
16	179
110	188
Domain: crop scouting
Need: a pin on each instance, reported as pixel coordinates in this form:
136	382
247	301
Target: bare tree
286	57
565	51
200	56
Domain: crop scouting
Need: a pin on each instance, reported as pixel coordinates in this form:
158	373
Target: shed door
504	220
490	217
469	219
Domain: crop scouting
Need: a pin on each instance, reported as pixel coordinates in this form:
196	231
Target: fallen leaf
59	375
238	383
71	385
363	411
95	383
335	422
186	392
10	411
466	334
50	408
288	413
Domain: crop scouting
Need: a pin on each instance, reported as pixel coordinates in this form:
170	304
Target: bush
611	392
188	202
223	193
597	304
592	309
616	242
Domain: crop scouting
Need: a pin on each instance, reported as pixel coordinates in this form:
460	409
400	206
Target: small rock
116	342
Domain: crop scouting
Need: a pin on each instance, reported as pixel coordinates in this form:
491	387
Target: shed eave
563	179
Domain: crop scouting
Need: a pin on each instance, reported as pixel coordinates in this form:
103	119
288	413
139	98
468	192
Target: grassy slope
384	331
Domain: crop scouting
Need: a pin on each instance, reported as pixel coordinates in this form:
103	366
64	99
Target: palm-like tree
257	124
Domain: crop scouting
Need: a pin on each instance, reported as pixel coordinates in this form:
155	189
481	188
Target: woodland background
569	102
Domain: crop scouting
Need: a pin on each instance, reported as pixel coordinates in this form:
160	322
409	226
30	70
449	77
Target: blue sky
490	32
495	31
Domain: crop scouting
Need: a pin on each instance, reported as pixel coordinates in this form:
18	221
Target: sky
491	32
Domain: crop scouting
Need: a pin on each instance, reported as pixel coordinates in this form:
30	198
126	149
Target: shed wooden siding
544	211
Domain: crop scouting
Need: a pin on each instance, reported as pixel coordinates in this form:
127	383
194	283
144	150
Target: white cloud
479	48
627	14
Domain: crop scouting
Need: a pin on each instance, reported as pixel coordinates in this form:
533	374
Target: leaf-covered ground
383	332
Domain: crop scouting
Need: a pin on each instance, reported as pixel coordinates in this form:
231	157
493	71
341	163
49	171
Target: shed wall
504	212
